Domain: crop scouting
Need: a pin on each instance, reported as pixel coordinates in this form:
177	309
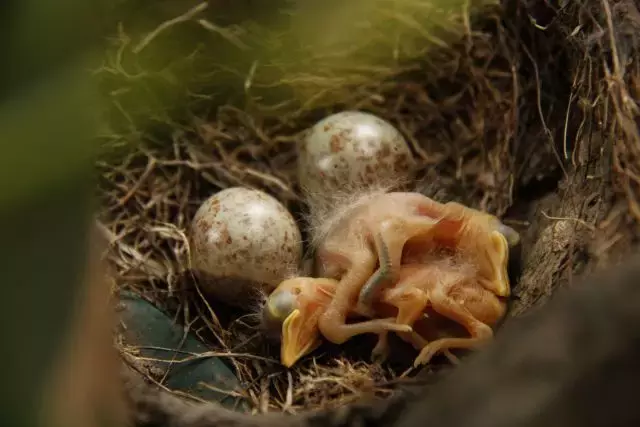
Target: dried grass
490	114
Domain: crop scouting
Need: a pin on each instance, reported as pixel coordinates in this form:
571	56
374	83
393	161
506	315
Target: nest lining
490	127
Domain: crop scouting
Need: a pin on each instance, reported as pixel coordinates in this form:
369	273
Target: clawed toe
395	327
390	325
379	354
425	356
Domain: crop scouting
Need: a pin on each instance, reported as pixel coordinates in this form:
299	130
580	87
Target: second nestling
404	251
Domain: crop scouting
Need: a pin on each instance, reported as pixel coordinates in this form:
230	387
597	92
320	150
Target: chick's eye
512	236
280	305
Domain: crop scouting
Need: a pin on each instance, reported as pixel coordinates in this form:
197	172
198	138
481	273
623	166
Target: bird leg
381	350
479	332
376	326
332	323
411	304
389	242
419	342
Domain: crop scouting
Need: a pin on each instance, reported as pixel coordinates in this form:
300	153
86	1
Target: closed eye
512	236
280	304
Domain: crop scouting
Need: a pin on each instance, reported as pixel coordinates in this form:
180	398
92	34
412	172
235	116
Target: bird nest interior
527	110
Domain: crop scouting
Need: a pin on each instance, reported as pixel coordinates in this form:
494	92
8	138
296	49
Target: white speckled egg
352	149
243	241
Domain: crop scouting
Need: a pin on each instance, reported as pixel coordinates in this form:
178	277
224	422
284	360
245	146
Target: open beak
300	337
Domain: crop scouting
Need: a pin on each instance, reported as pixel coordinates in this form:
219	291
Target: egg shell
243	238
353	149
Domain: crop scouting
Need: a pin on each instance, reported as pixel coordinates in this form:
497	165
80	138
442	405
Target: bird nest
527	112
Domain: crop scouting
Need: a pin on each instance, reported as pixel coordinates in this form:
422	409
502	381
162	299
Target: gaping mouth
298	339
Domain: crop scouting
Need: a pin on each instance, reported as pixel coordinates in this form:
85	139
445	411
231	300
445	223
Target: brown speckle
203	226
336	144
214	207
224	233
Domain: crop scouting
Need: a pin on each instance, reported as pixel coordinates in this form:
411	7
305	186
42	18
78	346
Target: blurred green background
48	107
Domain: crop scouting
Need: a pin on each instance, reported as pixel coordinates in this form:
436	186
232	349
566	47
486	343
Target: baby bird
450	290
445	287
364	246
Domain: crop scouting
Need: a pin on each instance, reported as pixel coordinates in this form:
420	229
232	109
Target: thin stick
187	16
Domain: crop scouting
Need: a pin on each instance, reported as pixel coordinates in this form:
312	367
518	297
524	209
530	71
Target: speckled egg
353	149
243	241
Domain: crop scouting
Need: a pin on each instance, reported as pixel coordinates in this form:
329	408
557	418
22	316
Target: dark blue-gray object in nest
158	337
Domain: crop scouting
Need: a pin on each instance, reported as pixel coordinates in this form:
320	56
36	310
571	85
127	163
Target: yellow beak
299	338
502	287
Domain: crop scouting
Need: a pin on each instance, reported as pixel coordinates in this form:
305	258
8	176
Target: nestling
445	287
363	249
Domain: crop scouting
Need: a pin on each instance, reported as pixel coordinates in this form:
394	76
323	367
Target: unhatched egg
353	149
243	241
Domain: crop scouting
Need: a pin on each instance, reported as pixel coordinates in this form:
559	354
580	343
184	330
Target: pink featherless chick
424	295
362	247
